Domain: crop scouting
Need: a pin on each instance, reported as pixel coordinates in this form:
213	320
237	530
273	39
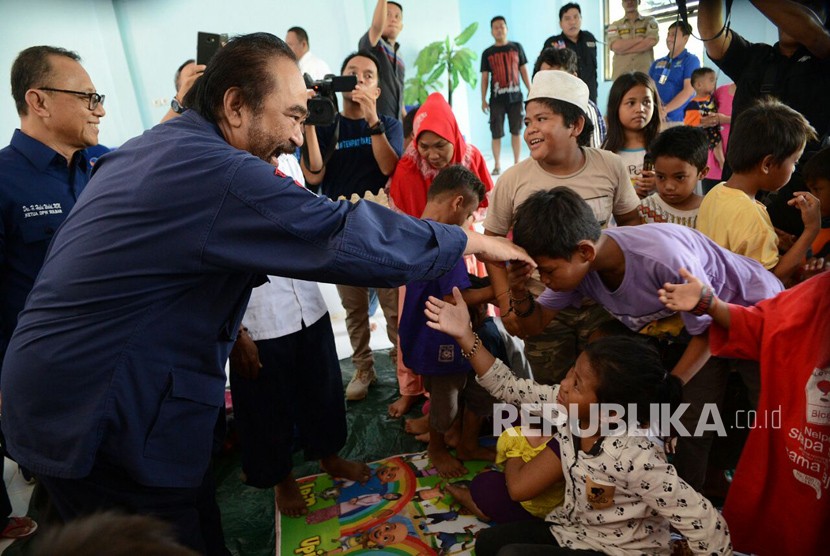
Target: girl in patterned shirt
621	495
680	155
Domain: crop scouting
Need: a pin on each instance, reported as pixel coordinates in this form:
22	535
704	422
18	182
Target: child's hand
646	184
810	208
448	318
814	266
518	273
681	297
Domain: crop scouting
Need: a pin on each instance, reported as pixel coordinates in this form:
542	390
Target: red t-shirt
779	501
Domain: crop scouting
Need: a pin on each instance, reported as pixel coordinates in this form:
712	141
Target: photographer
356	155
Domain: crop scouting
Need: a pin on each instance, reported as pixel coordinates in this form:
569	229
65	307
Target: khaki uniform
625	29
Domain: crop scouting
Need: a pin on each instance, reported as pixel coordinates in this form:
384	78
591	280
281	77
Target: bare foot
401	406
418	425
423	437
464	497
289	498
445	463
346	469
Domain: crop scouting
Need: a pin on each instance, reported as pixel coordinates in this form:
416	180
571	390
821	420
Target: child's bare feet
417	426
346	469
289	498
444	462
401	406
464	497
423	437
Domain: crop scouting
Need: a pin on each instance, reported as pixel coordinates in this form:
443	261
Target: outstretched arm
685	297
798	21
710	22
378	22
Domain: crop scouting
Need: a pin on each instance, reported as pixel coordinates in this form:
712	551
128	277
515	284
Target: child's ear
587	250
767	163
703	173
458	203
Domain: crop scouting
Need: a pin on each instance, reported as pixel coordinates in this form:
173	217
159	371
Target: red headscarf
413	175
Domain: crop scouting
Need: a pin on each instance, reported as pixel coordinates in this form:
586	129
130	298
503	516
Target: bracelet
705	301
514	303
476	343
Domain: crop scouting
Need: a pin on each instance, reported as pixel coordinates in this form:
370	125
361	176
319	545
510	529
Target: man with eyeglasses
42	172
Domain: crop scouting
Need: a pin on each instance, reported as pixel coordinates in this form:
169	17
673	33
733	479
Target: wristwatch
176	106
378	128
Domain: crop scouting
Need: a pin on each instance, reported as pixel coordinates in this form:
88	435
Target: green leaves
438	57
466	34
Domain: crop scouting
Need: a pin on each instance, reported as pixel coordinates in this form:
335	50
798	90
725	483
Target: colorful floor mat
400	510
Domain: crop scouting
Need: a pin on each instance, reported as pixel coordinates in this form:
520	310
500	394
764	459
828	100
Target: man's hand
485	107
244	357
492	249
368	104
190	73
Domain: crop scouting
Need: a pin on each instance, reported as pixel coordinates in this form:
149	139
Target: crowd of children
620	493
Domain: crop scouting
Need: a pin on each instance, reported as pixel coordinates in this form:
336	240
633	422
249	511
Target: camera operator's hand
368	104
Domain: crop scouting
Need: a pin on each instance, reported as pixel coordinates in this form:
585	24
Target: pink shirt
724	101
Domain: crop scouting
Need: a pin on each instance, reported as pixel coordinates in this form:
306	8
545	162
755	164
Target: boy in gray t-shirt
622	269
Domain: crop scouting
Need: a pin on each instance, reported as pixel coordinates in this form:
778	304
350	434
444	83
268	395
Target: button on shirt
37	191
143	290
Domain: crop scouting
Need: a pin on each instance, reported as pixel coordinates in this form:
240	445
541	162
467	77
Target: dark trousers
108	487
299	385
523	538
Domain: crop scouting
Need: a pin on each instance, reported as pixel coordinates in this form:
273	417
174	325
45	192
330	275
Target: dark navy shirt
585	48
352	167
119	354
37	190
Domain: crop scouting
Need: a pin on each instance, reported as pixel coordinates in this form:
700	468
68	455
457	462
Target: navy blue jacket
120	351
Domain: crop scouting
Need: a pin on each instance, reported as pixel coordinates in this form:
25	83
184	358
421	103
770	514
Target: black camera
323	106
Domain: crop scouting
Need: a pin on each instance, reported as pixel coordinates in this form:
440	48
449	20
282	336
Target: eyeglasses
94	98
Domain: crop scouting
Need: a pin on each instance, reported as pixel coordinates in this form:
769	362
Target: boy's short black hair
395	4
818	167
570	113
409	121
689	144
700	72
563	58
766	128
684	27
569	6
551	223
362	54
497	18
457	179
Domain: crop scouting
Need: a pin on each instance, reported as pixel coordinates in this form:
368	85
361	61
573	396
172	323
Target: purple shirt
653	255
427	351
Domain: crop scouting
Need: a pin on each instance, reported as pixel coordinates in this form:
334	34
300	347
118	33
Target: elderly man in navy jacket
115	374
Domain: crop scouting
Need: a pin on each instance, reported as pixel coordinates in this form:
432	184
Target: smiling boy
557	133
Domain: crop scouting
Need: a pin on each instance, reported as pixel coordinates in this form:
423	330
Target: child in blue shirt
453	197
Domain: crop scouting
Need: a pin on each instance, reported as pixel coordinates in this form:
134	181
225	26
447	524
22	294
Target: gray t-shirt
391	75
653	255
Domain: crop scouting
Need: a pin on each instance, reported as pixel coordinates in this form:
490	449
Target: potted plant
439	57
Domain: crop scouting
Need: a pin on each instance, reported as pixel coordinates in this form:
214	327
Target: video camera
323	106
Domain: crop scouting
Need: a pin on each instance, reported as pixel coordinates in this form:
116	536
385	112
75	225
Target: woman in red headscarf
438	143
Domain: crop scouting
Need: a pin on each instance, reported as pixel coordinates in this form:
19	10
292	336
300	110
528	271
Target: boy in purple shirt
453	197
621	269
